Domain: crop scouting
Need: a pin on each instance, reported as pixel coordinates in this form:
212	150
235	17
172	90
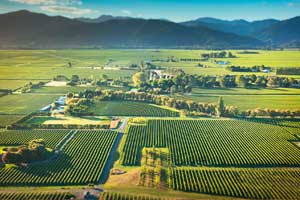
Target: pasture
244	102
24	103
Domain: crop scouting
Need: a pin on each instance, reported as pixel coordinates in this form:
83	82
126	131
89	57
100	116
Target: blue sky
175	10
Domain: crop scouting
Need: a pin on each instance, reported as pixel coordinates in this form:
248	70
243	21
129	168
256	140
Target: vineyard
35	196
81	162
214	143
18	137
264	183
127	108
119	196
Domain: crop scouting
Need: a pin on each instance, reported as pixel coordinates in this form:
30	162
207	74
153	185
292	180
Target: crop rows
214	143
34	196
126	108
119	196
18	137
263	183
81	162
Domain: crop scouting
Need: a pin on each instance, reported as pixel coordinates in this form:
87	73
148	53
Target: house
46	108
222	62
266	70
61	101
157	74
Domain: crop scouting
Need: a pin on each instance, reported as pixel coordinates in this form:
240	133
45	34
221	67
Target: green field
20	137
82	162
34	195
66	89
214	143
264	183
44	64
25	103
6	120
14	84
244	102
123	108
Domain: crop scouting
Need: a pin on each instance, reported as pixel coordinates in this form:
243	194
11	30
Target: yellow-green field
18	67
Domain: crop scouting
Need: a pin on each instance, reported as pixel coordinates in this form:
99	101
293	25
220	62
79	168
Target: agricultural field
123	108
186	158
82	161
214	143
261	183
19	137
67	89
244	102
15	84
24	103
119	196
35	196
6	120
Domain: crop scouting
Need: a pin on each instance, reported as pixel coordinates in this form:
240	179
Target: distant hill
102	18
239	27
283	33
33	30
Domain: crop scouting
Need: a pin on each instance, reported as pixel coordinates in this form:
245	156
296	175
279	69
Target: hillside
284	33
239	27
32	30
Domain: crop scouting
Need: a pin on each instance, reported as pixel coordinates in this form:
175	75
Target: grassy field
66	89
25	103
244	102
6	120
123	108
14	84
44	64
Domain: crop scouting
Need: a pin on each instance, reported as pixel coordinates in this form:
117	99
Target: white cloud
35	2
66	10
49	2
127	12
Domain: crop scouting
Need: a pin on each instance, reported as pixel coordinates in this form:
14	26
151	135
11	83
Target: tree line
191	108
183	82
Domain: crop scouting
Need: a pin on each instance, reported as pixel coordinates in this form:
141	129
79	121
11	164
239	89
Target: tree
11	158
70	95
75	78
139	79
220	107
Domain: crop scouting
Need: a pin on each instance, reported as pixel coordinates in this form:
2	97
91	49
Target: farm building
157	74
46	108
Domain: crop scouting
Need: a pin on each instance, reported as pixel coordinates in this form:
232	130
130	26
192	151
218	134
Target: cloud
48	2
127	12
293	4
66	10
35	2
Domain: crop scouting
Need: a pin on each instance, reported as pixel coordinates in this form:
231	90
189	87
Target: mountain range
25	29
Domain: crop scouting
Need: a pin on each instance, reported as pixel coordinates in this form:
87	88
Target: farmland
19	137
214	143
25	103
6	120
35	196
72	167
116	108
245	183
203	156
